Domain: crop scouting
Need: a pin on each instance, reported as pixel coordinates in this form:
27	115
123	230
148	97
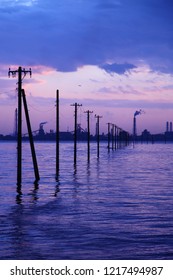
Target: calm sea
117	207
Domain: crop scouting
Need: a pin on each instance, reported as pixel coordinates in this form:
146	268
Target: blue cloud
68	34
117	68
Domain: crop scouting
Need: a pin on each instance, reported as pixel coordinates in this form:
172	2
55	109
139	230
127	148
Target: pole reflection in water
117	207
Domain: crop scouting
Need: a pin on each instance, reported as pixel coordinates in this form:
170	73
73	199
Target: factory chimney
170	126
167	126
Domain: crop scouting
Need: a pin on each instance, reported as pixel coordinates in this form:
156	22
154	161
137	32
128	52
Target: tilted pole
34	159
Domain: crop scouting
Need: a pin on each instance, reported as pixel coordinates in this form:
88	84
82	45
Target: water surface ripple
117	207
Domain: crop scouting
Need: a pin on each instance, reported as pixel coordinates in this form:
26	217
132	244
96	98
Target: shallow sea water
117	207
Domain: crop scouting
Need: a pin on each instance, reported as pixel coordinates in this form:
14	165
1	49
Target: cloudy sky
112	56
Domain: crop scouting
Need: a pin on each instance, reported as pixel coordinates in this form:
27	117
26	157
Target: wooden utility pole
76	105
57	133
88	129
109	136
15	123
20	71
34	159
113	127
98	134
115	137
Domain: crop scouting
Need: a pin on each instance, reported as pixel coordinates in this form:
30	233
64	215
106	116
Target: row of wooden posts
117	137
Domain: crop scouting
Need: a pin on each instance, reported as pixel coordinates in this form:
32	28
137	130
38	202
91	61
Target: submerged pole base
36	184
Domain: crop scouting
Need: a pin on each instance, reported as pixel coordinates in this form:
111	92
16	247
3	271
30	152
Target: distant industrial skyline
112	56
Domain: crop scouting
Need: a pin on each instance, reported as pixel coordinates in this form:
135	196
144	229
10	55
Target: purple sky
113	56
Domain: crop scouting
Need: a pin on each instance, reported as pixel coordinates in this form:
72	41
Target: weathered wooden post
98	134
57	133
75	131
34	159
88	129
20	71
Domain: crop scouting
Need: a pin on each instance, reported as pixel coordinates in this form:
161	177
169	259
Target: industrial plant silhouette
115	137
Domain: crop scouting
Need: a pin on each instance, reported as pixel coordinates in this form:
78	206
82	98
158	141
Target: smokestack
170	126
134	126
167	126
137	113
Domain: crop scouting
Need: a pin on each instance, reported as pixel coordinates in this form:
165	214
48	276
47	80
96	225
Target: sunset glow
113	57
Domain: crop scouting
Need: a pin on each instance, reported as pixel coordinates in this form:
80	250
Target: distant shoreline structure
63	136
82	136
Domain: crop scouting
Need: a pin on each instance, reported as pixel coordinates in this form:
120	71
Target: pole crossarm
76	104
88	111
20	69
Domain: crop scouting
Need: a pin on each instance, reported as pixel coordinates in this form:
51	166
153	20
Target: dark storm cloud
68	34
